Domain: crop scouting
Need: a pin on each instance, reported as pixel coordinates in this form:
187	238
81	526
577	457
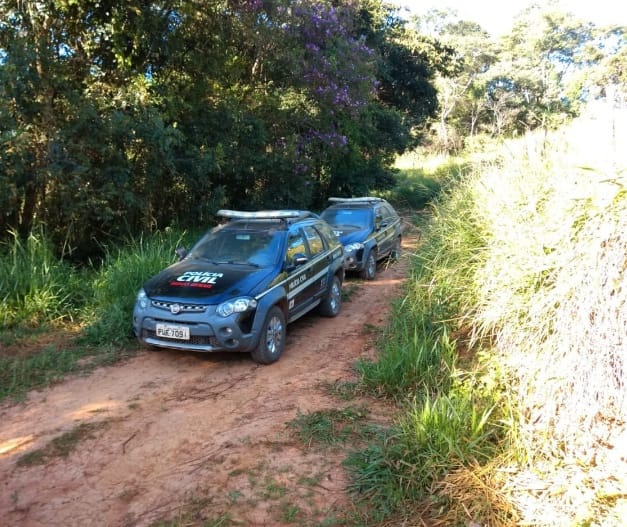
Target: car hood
207	282
349	235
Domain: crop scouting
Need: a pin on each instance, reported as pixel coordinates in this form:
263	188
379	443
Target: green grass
348	291
43	295
447	422
417	352
20	374
290	513
450	418
273	490
506	351
552	300
35	286
344	390
187	519
116	284
62	445
329	427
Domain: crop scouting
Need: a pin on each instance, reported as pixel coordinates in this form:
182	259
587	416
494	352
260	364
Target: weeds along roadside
506	354
553	299
451	415
57	319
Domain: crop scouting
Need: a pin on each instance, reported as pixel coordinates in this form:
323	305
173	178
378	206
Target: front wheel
272	340
331	304
370	267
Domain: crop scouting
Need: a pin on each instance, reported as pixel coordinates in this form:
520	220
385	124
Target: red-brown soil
182	437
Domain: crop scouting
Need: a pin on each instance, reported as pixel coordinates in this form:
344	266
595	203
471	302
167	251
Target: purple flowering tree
334	73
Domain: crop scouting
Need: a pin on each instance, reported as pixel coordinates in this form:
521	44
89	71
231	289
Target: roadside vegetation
59	319
506	354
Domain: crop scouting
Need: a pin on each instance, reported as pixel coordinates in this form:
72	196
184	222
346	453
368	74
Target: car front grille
183	308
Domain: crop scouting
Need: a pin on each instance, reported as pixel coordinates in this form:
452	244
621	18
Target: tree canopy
121	117
540	74
118	117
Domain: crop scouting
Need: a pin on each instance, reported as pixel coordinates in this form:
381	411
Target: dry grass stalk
554	296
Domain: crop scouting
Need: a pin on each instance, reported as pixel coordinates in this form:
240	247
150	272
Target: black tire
332	302
395	253
370	266
272	338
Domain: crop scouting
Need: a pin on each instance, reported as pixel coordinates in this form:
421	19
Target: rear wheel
331	304
370	267
272	340
395	253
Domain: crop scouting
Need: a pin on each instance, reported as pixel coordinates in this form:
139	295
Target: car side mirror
297	260
181	252
378	221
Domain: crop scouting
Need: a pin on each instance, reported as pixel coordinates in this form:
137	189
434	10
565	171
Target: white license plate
173	332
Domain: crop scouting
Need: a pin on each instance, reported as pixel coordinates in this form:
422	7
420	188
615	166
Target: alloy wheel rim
274	335
335	297
371	265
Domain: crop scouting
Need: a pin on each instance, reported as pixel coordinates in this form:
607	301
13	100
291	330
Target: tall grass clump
437	435
124	269
452	417
417	351
36	286
523	268
553	298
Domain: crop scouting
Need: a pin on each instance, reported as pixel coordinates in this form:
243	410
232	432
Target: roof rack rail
365	199
264	214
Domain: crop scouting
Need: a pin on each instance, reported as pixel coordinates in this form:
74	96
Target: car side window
328	235
379	216
385	214
389	214
295	245
313	240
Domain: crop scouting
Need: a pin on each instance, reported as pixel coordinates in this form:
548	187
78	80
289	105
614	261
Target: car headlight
142	299
237	305
353	247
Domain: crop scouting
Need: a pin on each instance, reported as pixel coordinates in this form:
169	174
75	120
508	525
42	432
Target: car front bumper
353	260
208	332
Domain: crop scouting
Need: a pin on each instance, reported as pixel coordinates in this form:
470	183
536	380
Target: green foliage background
121	118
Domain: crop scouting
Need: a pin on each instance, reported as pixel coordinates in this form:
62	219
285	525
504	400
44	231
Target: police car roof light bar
366	199
262	214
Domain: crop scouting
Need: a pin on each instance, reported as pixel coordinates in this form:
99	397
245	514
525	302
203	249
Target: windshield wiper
237	262
204	259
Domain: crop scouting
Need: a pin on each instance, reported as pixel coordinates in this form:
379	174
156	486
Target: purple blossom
248	5
337	68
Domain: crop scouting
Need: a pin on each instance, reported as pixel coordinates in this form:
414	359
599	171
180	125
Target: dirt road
170	436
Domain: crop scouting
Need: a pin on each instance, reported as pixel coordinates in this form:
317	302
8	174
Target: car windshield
259	248
359	218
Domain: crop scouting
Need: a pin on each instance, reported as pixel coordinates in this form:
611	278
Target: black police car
242	283
369	229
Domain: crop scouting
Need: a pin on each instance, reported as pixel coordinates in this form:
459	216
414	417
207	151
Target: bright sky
496	16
